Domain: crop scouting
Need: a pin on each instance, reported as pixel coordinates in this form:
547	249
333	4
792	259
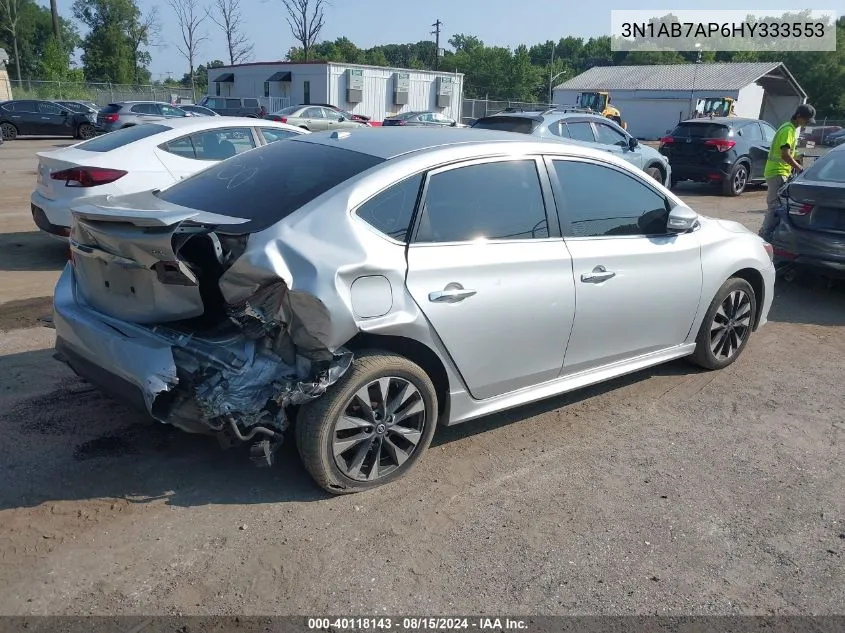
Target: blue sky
371	22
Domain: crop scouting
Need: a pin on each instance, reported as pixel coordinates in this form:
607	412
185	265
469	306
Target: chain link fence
476	108
99	93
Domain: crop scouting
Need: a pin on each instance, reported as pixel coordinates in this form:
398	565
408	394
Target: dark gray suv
121	114
233	106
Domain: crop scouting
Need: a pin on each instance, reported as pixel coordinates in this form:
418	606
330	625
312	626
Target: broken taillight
796	208
88	176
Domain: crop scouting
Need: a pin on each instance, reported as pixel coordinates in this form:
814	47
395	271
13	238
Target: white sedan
141	158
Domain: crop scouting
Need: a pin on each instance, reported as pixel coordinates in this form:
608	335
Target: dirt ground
671	491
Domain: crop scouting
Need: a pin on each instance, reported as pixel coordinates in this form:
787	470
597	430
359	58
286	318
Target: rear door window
268	184
559	128
122	137
250	103
751	132
581	131
500	200
145	108
768	132
313	113
222	144
233	104
30	107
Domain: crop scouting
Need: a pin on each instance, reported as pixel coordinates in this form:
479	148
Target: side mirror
633	143
681	220
453	124
341	119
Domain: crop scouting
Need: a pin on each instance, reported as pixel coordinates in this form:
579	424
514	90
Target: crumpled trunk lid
145	261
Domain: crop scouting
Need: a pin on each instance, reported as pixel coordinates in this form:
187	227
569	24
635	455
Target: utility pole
55	13
436	34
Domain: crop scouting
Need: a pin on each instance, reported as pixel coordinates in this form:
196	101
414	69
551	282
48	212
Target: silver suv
121	114
576	125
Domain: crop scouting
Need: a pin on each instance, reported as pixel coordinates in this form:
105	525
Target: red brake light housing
280	119
666	140
796	208
723	145
111	118
88	176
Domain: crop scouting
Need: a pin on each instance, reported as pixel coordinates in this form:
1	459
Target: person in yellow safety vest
781	163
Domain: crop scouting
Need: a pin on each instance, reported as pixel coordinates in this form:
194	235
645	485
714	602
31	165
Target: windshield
593	100
267	184
829	168
119	138
519	124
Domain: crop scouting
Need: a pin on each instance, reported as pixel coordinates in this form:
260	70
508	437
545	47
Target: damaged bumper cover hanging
236	384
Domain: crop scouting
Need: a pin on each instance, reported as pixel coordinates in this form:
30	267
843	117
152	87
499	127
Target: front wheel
370	427
727	325
736	181
655	173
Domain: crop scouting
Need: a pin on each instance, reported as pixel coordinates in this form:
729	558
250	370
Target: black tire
709	337
655	173
9	131
737	180
86	131
316	422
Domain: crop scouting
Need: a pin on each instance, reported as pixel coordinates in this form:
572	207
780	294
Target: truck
599	101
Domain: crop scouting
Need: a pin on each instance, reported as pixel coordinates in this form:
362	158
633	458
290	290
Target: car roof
722	120
548	115
390	142
201	123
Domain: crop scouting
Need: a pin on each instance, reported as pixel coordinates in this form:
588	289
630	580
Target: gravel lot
670	491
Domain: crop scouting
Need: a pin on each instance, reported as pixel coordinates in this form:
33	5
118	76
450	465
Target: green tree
111	50
34	30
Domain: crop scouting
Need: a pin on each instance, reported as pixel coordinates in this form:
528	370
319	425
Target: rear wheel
727	325
9	131
370	427
655	173
85	131
737	180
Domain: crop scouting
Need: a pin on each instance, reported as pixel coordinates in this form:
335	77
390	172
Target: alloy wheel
740	179
9	131
380	428
731	325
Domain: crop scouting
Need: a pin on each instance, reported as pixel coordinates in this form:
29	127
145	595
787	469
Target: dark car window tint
250	103
50	108
496	201
700	130
171	111
110	109
608	136
751	132
581	131
272	134
269	183
519	124
599	201
121	137
145	108
30	107
8	107
222	144
233	104
391	210
313	113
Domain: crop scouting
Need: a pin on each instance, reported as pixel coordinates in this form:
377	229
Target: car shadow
31	251
809	299
75	443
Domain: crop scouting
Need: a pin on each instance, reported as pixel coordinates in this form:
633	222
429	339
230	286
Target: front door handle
599	274
452	293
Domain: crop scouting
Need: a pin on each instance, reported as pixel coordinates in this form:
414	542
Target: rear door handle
452	293
599	274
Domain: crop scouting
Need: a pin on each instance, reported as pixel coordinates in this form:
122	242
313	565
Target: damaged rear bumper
226	383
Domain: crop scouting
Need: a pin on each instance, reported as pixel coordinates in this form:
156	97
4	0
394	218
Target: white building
652	99
372	91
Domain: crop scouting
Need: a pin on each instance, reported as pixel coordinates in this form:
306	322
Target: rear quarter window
233	104
829	168
119	138
110	109
269	183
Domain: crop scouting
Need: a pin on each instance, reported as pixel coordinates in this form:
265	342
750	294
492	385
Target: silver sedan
375	284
